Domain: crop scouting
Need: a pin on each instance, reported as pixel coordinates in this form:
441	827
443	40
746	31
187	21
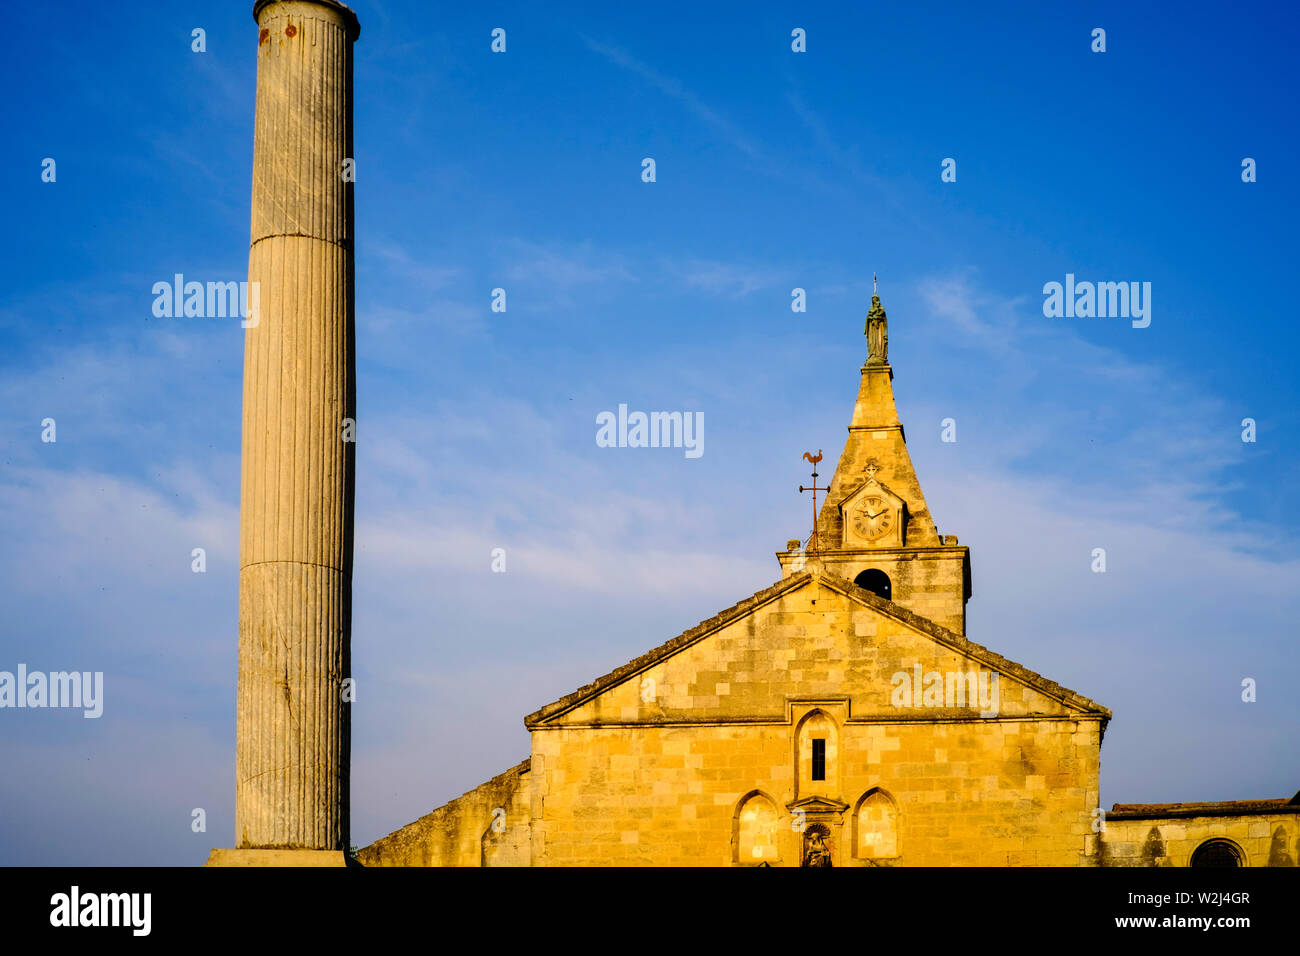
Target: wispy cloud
730	279
564	265
723	127
1075	411
400	263
849	161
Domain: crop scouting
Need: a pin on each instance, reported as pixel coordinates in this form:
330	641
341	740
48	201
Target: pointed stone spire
891	536
876	442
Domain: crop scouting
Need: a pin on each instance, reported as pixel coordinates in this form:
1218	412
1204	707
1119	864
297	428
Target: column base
278	857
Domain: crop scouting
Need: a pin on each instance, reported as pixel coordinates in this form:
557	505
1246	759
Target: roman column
295	579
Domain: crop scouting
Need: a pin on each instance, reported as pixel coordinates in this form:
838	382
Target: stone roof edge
964	645
688	637
667	649
520	768
1225	808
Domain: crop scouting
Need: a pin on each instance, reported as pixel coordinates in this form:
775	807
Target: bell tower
874	527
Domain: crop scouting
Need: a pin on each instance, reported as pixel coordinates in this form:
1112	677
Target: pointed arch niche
817	754
875	826
754	830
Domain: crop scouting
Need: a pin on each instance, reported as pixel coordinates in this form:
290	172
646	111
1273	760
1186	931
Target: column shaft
295	583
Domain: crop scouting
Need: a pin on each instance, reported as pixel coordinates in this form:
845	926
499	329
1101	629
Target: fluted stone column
295	583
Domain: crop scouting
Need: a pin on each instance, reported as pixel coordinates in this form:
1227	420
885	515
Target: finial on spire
873	283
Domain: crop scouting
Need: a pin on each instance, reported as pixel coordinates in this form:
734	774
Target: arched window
1217	853
815	754
875	581
755	829
875	826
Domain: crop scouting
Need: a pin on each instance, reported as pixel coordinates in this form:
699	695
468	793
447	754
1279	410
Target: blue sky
476	429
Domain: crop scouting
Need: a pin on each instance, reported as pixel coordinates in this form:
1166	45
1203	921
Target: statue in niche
816	846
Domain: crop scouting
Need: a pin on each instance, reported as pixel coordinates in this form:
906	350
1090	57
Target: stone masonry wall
1264	839
653	769
488	826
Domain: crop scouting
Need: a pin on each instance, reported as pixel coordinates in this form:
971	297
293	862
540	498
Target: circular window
1217	853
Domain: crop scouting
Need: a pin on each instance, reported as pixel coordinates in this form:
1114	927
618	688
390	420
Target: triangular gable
967	647
818	804
732	622
665	650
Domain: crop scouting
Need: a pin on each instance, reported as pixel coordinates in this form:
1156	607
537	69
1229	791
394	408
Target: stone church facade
840	717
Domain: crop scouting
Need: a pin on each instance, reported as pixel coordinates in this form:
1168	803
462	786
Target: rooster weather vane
812	541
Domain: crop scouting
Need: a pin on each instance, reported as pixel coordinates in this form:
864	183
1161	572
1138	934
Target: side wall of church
488	826
1261	839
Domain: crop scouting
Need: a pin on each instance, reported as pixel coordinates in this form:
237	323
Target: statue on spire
877	331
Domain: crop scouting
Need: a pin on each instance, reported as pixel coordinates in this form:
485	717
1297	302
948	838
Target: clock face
873	518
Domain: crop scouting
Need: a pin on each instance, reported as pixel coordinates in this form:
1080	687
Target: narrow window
819	758
815	753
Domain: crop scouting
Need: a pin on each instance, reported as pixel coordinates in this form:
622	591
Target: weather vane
812	542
